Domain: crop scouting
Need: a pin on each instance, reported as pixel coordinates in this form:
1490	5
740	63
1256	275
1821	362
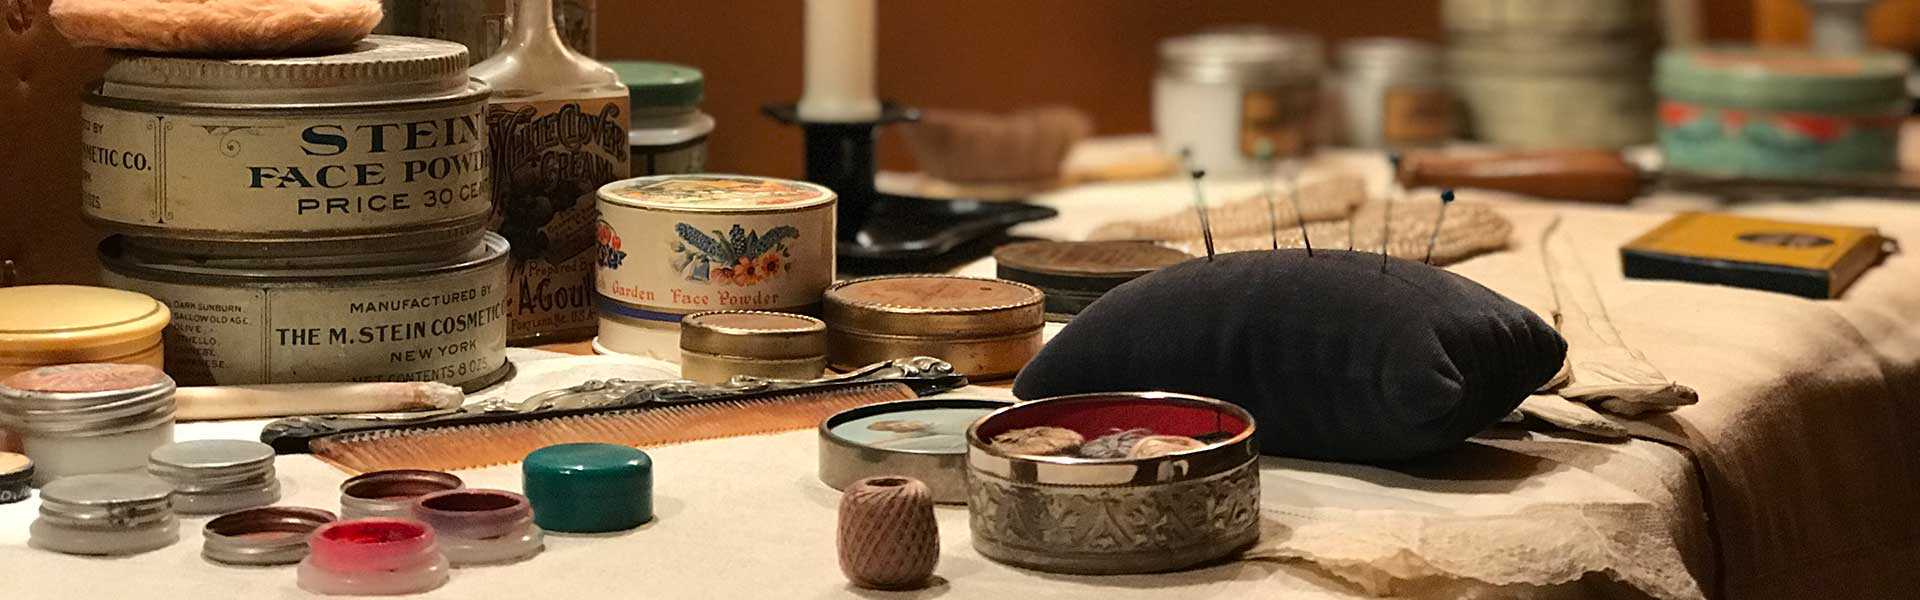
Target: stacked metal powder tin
1554	73
306	219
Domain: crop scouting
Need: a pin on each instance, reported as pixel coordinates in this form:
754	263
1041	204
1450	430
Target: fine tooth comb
633	413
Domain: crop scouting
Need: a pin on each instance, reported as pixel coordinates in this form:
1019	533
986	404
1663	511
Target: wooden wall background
980	54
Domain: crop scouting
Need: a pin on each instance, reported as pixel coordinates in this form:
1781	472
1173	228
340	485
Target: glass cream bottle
557	127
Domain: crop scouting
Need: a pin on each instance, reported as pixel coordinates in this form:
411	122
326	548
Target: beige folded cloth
1602	370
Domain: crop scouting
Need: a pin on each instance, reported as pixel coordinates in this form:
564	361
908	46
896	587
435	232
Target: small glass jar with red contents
373	557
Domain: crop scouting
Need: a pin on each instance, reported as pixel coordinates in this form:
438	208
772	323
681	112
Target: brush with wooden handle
636	413
1604	176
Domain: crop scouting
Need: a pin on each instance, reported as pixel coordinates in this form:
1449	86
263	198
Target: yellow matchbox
1804	259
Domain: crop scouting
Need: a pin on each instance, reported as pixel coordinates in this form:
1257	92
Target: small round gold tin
1113	516
717	345
987	328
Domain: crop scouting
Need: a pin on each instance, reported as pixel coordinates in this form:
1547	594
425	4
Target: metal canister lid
1074	274
16	477
715	193
273	535
391	493
87	400
658	84
211	465
1392	56
1249	55
1783	78
379	68
754	334
937	306
120	256
109	502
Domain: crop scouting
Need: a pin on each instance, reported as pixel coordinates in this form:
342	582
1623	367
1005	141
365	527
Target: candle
839	62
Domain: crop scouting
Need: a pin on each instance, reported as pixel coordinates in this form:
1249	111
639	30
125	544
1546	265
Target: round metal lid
106	501
1242	55
378	68
122	257
14	468
934	305
715	193
1083	266
658	84
273	535
754	334
210	463
87	399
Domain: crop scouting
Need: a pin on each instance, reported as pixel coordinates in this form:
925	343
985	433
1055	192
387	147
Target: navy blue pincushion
1335	359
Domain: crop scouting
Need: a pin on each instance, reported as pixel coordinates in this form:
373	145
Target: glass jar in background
1226	94
668	135
482	25
1394	94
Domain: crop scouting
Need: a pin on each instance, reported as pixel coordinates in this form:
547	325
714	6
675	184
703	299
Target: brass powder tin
923	439
1074	274
380	146
270	535
674	245
1066	514
717	345
987	328
246	321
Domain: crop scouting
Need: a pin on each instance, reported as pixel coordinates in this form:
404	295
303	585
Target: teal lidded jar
589	488
1780	112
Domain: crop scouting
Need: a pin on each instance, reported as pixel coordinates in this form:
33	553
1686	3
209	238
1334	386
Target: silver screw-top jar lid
212	466
1242	55
87	400
273	535
379	68
106	502
1391	57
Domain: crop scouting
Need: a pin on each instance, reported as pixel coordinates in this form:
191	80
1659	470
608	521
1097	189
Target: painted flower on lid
737	257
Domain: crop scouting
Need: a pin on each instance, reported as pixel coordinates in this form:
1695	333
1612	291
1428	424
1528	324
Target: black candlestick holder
887	227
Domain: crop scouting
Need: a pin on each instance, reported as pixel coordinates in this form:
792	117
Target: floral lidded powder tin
382	146
675	245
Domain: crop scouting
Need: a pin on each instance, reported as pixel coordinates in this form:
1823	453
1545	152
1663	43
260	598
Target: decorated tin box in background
252	321
674	245
1781	112
1108	516
380	147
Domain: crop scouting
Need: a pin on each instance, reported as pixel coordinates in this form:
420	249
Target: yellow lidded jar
43	325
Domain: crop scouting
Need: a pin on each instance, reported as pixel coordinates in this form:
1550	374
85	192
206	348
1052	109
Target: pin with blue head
1263	152
1386	215
1446	198
1199	199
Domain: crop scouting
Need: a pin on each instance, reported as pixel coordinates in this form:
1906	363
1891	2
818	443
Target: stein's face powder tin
675	245
381	146
257	321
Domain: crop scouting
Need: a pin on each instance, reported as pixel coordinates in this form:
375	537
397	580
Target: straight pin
1263	150
1299	216
1386	212
1200	205
1446	198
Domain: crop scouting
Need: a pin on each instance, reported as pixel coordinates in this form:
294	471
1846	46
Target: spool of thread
888	538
